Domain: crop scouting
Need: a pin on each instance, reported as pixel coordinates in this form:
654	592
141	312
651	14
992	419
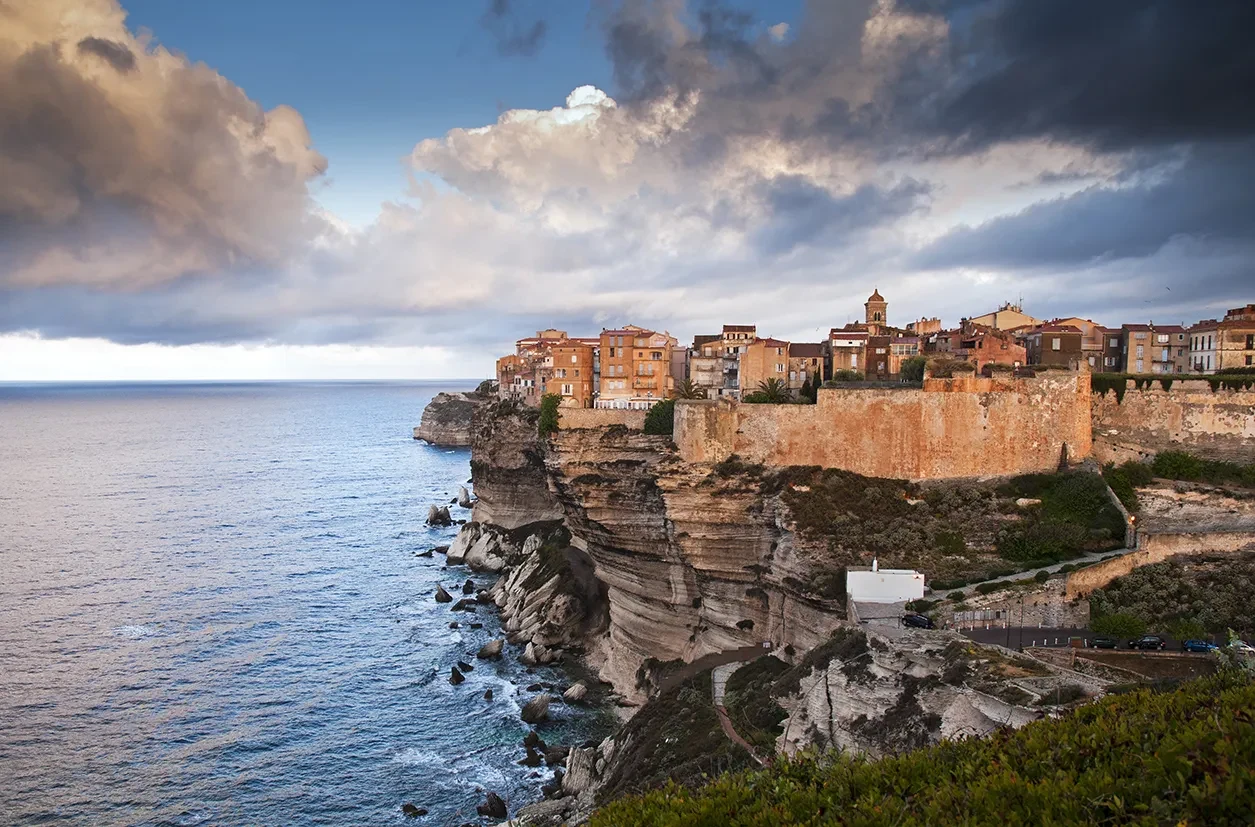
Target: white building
877	585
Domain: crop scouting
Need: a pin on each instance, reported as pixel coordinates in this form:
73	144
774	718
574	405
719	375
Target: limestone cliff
447	420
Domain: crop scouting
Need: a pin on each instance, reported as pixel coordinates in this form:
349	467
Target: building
924	327
763	359
902	348
1151	348
571	374
635	368
1091	338
1112	349
806	362
1217	346
714	361
1006	317
1053	344
877	357
872	584
982	345
847	350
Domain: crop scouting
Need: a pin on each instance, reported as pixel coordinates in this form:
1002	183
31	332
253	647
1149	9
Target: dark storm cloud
1114	74
801	213
116	54
512	35
1210	199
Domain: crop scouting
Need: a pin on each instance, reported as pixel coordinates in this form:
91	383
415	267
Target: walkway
718	686
1084	560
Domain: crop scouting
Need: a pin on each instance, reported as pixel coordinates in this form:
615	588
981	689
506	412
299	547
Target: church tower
877	310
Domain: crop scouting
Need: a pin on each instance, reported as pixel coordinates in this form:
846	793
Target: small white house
877	585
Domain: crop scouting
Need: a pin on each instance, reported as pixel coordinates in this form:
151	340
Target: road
1085	560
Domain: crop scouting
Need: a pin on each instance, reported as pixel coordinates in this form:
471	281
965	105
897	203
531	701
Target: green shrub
1185	756
921	605
1212	593
1177	465
1124	479
660	419
951	542
1041	576
986	588
912	370
1066	694
845	375
548	421
1119	625
955	596
751	708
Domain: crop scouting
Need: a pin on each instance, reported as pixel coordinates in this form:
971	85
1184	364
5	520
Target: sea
214	611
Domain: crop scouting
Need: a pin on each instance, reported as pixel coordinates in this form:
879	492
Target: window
1054	344
792	376
1250	360
1140	367
1162	339
566	390
779	368
879	351
1140	353
706	351
1115	343
1250	342
577	373
1180	351
573	359
779	351
1209	343
1091	361
1141	334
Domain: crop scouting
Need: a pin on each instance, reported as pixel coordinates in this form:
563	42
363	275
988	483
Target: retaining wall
1155	548
1189	416
582	418
963	427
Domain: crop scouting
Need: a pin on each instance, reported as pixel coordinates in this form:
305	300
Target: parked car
918	621
1148	642
1104	643
1198	646
1242	647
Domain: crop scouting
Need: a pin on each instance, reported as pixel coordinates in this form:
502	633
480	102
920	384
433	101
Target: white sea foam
415	757
134	632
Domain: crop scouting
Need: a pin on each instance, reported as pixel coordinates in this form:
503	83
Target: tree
548	422
661	418
912	369
807	392
772	391
846	375
688	390
1119	625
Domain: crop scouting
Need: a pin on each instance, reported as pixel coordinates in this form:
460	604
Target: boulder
532	741
484	596
554	788
487	694
443	596
476	625
555	756
464	666
456	677
532	759
493	807
468	587
464	497
466	604
575	693
411	811
440	549
490	650
536	710
438	515
455	625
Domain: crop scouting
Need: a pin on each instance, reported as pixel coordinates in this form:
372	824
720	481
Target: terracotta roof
806	349
772	342
838	333
703	339
1136	327
739	328
875	296
1055	328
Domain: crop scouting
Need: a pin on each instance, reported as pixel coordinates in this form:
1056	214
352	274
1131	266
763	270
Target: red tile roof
806	349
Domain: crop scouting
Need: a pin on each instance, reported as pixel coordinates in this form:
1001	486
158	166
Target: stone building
571	374
636	370
1009	315
806	362
1216	346
764	359
1151	348
846	350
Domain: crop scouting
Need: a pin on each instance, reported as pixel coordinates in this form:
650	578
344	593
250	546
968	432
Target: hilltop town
632	367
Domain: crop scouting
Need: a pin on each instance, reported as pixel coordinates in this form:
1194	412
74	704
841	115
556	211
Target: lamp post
1021	623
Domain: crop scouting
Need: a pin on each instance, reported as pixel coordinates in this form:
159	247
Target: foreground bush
1181	757
660	419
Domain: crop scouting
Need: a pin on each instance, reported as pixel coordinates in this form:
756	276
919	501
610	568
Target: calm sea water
211	612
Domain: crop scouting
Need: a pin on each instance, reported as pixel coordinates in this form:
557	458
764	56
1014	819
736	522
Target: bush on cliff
1125	479
1076	516
1180	465
1214	592
660	419
1180	757
548	421
912	370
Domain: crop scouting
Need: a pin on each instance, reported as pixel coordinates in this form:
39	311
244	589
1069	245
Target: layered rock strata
447	420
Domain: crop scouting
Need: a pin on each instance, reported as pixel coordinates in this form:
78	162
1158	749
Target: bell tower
877	310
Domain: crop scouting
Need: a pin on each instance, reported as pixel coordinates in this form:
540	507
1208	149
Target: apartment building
1112	349
1151	348
635	368
1216	346
982	345
1053	344
1008	316
571	373
806	362
847	350
763	359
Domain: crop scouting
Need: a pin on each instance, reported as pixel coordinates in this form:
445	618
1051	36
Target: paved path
970	589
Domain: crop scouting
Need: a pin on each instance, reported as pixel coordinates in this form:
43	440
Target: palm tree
688	390
773	391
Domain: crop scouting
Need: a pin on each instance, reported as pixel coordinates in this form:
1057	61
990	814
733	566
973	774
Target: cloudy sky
392	188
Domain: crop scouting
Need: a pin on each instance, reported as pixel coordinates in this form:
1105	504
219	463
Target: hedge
1181	757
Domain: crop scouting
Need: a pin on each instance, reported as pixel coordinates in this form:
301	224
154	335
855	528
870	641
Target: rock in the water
576	693
536	710
464	666
532	759
493	807
447	420
440	549
464	497
466	604
456	677
438	515
490	650
476	625
535	688
411	811
487	694
443	596
532	741
556	755
468	587
484	596
455	625
529	655
554	787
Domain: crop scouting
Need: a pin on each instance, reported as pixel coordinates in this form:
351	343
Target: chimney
875	564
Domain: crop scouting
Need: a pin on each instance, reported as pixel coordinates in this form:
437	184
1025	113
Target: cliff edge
447	420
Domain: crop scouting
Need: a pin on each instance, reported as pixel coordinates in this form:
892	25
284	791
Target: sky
402	188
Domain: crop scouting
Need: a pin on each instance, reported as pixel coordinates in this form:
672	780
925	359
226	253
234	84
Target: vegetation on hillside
1180	465
1184	597
1075	516
547	423
1125	479
1231	379
1180	757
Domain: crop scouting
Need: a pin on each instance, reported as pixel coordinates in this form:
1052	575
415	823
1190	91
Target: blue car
1198	646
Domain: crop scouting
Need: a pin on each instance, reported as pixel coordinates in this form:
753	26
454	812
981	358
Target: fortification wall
1189	416
963	427
1155	548
576	419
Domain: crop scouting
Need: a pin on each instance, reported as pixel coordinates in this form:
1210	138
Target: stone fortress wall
1189	416
967	426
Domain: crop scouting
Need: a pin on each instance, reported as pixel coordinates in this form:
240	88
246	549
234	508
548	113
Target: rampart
1155	548
962	427
577	419
1189	416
